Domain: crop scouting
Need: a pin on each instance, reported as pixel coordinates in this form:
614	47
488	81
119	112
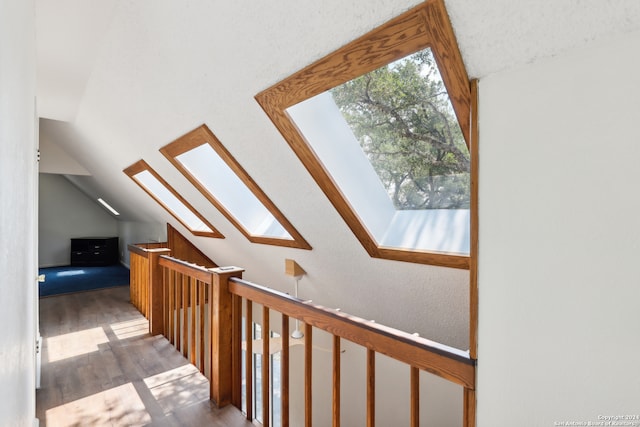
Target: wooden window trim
203	135
141	166
425	26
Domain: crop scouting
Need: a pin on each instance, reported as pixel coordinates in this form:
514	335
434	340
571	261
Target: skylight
203	160
383	125
393	146
169	199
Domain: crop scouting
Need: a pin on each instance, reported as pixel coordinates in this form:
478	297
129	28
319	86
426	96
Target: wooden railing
187	289
208	315
145	284
417	353
176	245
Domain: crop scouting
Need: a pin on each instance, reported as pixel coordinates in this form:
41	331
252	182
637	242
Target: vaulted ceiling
119	79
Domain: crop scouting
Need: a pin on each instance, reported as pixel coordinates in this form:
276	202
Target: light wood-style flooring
100	367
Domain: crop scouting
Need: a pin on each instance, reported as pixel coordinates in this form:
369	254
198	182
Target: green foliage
402	117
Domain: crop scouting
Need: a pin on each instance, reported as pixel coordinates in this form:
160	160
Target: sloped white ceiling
130	76
69	36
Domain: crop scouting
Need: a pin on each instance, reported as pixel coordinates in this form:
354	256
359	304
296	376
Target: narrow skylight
108	206
217	177
204	161
149	180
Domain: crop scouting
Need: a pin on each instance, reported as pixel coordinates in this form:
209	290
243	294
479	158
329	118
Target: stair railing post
221	326
156	304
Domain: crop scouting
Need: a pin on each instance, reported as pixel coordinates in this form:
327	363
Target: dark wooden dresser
94	251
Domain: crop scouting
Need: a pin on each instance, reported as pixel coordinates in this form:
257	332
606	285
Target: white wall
53	158
559	332
18	174
131	232
66	212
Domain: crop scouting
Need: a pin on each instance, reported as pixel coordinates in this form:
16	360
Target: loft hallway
101	367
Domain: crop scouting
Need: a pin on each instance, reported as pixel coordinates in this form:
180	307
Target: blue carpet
64	280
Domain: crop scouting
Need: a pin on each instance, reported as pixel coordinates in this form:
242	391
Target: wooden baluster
172	306
165	302
415	397
132	277
266	390
147	282
185	315
144	300
469	416
143	284
178	327
192	321
308	369
336	381
134	280
134	299
201	327
284	373
236	359
207	329
248	365
210	327
141	275
371	388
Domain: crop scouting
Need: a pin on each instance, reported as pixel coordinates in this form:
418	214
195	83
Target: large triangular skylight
374	124
203	160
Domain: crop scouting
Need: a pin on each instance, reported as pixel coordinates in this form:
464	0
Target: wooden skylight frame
425	26
203	135
142	166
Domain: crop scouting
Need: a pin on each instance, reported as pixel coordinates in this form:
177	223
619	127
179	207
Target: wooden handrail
198	272
441	360
152	245
138	250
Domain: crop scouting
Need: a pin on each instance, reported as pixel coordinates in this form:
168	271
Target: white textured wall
18	175
66	212
559	333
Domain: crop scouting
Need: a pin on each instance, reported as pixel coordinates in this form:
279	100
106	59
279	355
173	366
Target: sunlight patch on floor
70	273
74	344
179	387
130	328
102	409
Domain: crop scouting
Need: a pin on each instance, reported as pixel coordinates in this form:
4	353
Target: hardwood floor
100	367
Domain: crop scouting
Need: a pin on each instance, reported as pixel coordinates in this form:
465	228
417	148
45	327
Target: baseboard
52	265
124	264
